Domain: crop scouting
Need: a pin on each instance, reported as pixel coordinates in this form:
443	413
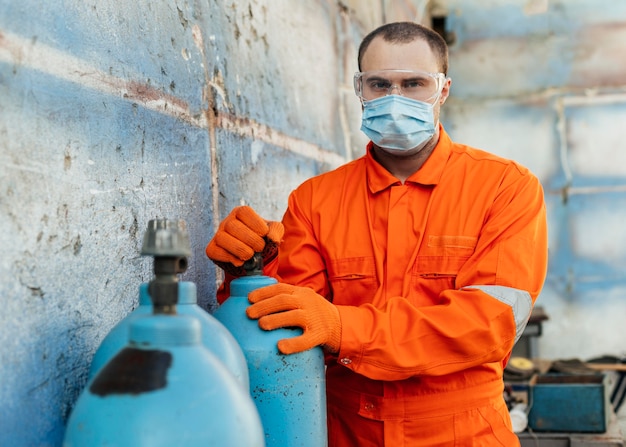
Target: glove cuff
231	269
270	251
334	337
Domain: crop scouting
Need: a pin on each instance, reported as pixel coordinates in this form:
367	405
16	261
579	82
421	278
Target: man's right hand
242	234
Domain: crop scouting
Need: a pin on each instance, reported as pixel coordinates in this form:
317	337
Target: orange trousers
358	420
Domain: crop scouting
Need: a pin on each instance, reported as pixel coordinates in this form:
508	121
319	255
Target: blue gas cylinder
289	390
164	389
215	337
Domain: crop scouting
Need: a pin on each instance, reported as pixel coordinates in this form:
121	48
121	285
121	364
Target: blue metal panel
569	403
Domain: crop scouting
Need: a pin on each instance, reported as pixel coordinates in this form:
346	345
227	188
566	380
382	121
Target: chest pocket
353	280
437	269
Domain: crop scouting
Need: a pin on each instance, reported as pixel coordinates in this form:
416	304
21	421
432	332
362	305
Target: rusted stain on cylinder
133	371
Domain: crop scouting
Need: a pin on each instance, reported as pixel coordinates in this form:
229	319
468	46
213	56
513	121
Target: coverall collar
379	178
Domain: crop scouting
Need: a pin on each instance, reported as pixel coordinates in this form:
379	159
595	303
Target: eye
414	83
411	84
379	84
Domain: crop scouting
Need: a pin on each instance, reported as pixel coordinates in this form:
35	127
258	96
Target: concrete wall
115	113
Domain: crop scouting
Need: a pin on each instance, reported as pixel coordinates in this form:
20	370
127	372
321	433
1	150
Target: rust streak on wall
246	127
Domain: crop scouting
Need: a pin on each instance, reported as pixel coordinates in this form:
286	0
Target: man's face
416	55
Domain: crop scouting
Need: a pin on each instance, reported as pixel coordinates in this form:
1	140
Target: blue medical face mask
398	123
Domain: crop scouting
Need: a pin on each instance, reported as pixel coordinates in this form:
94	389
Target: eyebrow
376	78
381	78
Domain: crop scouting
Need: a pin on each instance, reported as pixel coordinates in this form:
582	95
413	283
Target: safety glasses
419	85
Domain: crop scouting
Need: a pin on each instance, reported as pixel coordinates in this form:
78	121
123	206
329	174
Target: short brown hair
405	32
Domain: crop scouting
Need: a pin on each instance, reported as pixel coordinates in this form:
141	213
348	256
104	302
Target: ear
445	91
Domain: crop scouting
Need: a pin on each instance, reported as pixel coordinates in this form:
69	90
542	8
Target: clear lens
419	85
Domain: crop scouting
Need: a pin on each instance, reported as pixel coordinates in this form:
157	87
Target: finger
295	344
233	246
252	220
266	292
276	231
245	234
292	318
218	254
278	303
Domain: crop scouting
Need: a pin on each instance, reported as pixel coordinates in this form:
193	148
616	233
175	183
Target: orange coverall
434	280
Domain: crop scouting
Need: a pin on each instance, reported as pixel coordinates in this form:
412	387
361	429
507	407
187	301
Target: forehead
383	55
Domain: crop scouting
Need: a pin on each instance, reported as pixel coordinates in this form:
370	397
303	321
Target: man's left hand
282	305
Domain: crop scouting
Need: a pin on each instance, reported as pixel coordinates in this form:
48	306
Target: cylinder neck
187	293
163	288
254	265
167	241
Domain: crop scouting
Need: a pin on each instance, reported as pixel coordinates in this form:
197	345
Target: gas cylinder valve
168	242
254	265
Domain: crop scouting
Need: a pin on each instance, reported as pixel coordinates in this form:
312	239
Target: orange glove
239	236
282	305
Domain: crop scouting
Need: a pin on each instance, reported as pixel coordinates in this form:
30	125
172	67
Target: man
415	267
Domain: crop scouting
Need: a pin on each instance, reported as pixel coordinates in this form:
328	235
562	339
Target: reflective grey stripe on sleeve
519	300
